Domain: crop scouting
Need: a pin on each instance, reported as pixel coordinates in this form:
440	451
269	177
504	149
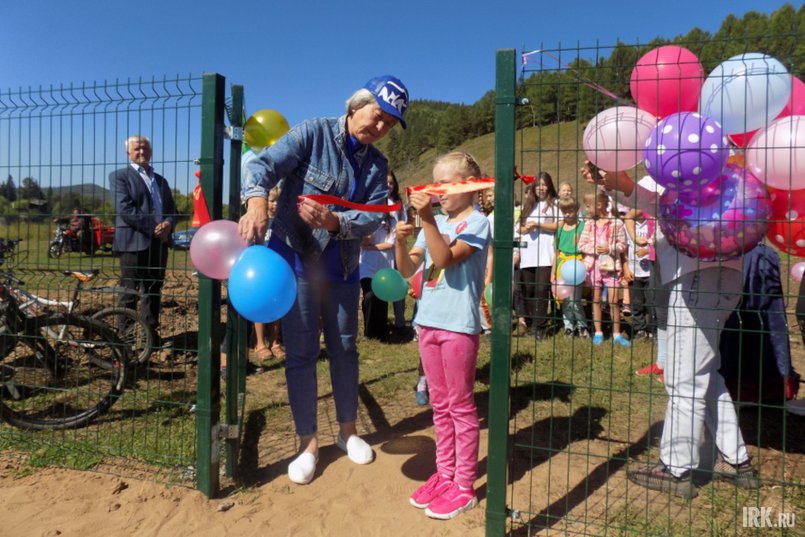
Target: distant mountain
90	190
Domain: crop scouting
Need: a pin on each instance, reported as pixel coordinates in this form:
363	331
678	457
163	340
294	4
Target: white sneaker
303	468
357	450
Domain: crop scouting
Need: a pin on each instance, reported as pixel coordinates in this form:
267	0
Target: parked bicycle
130	326
57	370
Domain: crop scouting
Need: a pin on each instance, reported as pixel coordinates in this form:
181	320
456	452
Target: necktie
156	203
156	200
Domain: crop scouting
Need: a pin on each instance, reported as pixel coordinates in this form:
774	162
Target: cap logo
396	99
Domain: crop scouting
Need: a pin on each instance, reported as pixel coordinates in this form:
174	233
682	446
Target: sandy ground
344	499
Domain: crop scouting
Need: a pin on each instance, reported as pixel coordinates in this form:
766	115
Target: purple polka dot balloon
686	152
726	228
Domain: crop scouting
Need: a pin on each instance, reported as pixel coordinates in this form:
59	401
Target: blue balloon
262	286
573	272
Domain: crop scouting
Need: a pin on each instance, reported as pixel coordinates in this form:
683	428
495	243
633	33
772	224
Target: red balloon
794	107
786	226
416	284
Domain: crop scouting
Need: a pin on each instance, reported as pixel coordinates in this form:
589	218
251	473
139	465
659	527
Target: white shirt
537	248
373	260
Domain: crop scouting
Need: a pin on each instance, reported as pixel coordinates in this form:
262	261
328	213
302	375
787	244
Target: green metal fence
58	145
567	418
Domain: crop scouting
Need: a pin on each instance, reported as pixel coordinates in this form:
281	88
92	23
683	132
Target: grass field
578	418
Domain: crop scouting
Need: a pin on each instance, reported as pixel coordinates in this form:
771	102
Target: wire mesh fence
629	392
58	147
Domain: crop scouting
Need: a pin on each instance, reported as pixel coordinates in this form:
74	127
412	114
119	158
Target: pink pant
449	360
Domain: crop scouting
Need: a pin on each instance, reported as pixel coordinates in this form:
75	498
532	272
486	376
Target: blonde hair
462	162
567	204
599	196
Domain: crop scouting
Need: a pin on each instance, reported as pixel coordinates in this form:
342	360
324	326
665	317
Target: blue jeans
573	316
336	304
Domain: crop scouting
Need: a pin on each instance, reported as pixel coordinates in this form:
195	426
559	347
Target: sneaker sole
751	483
740	482
418	505
452	514
685	489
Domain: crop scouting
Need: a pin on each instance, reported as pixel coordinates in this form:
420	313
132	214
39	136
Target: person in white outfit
702	297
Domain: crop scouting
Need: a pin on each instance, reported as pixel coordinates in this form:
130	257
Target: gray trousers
699	304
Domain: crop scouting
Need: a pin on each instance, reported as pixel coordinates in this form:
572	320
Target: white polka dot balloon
685	152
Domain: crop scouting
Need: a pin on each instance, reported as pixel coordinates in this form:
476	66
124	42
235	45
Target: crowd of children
616	248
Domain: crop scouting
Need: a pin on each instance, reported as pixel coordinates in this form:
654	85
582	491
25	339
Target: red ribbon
327	199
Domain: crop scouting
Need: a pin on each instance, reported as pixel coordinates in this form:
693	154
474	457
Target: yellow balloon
264	127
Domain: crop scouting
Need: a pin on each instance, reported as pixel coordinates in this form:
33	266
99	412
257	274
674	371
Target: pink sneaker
433	487
452	503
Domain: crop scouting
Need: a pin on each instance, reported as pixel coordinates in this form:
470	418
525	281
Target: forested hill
558	96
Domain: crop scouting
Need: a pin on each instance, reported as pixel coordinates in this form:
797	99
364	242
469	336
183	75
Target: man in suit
146	214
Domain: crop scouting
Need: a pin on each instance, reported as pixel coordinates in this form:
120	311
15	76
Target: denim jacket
312	159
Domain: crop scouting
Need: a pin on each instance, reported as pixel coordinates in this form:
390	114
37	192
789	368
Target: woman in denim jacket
322	244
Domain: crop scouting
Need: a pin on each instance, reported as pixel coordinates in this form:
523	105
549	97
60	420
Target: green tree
9	189
30	189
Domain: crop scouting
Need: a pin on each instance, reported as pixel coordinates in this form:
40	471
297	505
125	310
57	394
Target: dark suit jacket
134	223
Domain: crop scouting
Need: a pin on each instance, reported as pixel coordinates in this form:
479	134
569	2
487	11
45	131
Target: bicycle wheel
138	337
50	377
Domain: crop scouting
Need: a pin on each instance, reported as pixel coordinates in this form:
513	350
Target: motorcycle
66	240
93	238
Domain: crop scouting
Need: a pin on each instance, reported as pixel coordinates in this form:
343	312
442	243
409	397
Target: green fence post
236	326
208	398
501	300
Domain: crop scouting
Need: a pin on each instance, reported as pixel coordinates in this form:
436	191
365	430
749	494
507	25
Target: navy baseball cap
391	94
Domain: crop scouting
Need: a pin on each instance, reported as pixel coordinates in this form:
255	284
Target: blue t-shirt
450	297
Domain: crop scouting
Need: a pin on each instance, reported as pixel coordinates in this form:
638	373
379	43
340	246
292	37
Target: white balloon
745	92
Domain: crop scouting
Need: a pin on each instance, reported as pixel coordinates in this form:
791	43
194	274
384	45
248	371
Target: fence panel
581	422
58	145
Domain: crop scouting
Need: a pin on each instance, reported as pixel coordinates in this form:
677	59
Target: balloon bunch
572	273
687	125
262	286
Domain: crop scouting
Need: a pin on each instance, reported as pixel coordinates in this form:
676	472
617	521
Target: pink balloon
797	269
614	139
561	290
776	155
794	107
215	247
667	80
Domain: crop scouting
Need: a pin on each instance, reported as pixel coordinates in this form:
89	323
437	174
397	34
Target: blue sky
304	58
